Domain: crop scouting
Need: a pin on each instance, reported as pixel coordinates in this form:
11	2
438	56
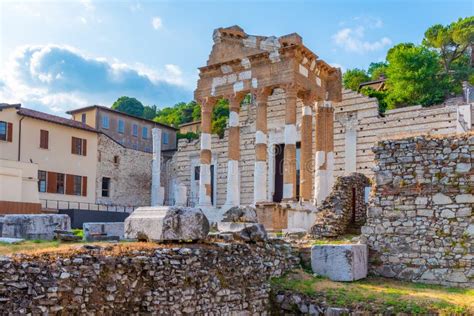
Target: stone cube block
340	262
34	226
103	231
166	223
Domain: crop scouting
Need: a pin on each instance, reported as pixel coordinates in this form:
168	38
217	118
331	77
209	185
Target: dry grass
381	295
34	248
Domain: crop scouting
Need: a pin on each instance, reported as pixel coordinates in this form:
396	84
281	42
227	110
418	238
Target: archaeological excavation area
309	189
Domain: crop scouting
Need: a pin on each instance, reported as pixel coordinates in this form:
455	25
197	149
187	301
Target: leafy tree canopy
414	76
451	41
377	69
353	78
129	105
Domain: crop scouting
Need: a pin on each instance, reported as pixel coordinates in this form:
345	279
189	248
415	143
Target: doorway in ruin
193	198
278	152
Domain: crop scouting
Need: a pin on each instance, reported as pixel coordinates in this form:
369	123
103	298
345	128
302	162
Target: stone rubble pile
218	278
420	224
335	215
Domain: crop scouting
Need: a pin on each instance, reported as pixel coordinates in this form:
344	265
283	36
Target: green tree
414	76
451	41
352	78
220	114
375	70
149	112
129	105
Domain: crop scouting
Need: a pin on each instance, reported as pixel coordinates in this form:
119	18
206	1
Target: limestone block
34	226
340	262
103	231
243	214
180	195
163	223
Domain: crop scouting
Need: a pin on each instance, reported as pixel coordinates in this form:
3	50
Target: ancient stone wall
193	279
129	171
420	223
345	209
356	113
358	126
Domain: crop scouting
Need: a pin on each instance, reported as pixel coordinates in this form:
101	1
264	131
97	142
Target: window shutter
9	132
84	186
73	148
44	139
69	184
84	147
52	182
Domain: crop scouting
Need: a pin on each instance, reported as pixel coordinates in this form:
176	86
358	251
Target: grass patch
380	295
342	240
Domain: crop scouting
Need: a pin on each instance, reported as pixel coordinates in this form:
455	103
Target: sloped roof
55	119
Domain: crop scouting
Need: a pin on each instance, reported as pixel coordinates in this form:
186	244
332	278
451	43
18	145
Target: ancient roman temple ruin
242	64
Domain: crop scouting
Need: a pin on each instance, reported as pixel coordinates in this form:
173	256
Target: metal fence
71	205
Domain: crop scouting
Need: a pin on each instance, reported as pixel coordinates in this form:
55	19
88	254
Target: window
41	181
116	159
44	139
165	138
197	170
6	131
60	183
3	130
144	132
105	121
83	118
79	146
105	187
135	130
77	183
121	126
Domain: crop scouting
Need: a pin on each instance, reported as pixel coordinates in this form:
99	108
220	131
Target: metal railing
72	205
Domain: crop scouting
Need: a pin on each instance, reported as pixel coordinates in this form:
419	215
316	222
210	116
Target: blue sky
59	55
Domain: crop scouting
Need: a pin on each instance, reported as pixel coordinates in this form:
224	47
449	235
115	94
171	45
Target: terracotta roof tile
55	119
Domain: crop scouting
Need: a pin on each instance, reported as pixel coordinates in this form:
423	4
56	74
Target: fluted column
289	159
233	151
260	171
205	189
306	170
324	158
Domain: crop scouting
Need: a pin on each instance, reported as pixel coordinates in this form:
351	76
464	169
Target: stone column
289	160
261	154
306	173
350	142
157	192
206	154
324	158
233	151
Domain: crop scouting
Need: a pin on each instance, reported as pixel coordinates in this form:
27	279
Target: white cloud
157	23
137	6
56	78
87	5
353	40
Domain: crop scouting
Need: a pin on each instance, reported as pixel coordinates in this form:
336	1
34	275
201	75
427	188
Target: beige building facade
63	151
128	130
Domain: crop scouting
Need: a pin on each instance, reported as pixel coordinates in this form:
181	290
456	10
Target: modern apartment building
63	151
128	130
